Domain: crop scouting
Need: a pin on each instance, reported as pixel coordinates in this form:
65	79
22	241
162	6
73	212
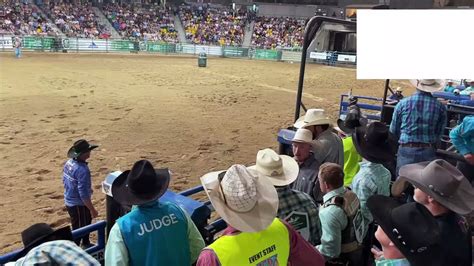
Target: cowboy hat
428	85
303	135
411	227
245	200
81	146
40	233
399	89
440	180
352	120
375	143
282	170
141	184
313	117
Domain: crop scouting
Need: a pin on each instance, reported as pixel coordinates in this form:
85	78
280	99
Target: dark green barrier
161	47
267	54
38	43
230	51
124	45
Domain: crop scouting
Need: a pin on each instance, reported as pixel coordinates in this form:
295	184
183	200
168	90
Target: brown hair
332	174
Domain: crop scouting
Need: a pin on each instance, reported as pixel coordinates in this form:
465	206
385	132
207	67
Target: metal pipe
387	85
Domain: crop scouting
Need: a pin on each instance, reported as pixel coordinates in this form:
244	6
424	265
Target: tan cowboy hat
313	117
282	170
428	85
442	181
399	89
303	135
245	200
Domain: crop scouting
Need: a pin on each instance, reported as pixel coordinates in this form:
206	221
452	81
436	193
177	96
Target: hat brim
379	153
340	123
458	202
63	233
381	208
122	194
300	123
291	170
72	154
257	219
440	84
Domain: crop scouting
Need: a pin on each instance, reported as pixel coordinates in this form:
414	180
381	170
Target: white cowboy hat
428	85
282	170
313	117
245	200
303	135
399	89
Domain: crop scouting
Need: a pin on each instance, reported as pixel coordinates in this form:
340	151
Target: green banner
161	47
38	43
267	54
122	46
230	51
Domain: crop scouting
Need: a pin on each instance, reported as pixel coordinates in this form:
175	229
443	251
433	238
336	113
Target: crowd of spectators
23	19
272	32
208	25
76	20
154	23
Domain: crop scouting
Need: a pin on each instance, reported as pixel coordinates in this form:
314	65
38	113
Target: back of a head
332	174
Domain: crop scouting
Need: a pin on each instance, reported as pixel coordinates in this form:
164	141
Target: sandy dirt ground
164	109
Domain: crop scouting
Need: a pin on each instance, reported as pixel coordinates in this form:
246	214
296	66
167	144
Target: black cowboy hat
375	143
352	120
411	227
40	233
141	184
81	146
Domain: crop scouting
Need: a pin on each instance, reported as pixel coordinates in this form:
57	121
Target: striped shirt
420	118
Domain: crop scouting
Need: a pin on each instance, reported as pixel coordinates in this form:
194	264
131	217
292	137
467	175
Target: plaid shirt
420	118
292	200
372	179
392	262
59	252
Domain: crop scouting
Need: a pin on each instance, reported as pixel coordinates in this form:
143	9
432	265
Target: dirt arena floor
161	108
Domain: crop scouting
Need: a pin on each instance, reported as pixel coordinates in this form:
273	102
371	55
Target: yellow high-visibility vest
268	247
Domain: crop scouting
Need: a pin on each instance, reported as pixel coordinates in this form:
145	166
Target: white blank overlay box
415	44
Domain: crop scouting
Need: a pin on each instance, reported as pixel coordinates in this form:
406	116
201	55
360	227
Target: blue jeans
18	52
408	155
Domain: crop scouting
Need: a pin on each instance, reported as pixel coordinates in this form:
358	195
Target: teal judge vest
156	234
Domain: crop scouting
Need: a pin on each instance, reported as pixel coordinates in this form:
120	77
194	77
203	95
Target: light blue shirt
462	136
333	221
116	252
467	91
372	179
394	262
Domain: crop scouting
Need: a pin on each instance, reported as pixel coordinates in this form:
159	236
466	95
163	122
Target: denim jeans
18	52
408	155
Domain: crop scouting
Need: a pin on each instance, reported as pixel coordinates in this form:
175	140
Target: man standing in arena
327	146
418	122
17	45
78	188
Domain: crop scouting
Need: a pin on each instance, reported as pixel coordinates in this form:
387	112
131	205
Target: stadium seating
213	26
23	19
271	33
76	20
153	23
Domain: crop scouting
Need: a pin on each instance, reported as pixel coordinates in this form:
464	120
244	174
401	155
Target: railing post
77	44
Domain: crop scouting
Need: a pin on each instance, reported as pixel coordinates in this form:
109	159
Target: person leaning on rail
248	203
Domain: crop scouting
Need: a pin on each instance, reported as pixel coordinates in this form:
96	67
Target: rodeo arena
224	132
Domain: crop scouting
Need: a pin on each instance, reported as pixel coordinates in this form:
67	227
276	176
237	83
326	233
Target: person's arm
366	189
84	188
208	258
116	252
333	221
196	243
301	251
396	123
458	141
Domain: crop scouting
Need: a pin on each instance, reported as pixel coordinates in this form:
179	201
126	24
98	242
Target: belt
350	247
417	145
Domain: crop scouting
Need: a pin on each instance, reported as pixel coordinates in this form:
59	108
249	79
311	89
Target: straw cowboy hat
79	147
246	201
428	85
40	233
410	227
303	135
399	89
282	170
440	180
141	184
375	143
313	117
